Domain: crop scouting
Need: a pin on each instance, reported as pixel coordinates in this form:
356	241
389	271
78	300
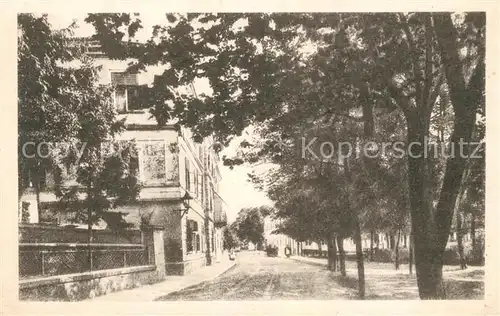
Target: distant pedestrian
288	251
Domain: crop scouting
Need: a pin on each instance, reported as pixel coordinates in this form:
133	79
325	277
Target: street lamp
185	201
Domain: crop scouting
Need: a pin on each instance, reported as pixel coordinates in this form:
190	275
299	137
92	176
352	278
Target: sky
234	186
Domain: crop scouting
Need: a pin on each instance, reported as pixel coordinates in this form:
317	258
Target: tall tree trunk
89	228
458	209
208	256
371	244
340	243
368	133
357	235
38	202
428	255
473	231
332	254
35	177
359	259
463	261
396	251
410	254
320	250
431	228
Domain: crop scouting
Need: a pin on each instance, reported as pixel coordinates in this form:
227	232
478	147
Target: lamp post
185	199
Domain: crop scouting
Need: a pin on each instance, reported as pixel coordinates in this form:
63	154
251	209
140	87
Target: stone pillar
156	241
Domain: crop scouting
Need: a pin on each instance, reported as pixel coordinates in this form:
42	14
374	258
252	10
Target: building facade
179	178
278	240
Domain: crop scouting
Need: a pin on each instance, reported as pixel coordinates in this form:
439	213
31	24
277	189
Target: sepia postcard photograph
254	157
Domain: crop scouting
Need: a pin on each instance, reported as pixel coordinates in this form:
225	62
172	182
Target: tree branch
429	65
400	98
412	48
447	39
433	94
355	119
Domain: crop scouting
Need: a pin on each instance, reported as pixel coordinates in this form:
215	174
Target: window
213	241
120	98
202	191
198	244
187	175
200	188
189	237
127	91
196	182
133	164
192	236
153	163
210	198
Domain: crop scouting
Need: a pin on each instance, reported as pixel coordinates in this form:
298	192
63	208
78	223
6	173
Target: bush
451	256
476	256
472	256
404	256
388	255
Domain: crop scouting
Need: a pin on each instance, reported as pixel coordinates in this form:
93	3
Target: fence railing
49	259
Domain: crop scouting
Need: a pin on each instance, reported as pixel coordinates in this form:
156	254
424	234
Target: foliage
230	240
380	74
62	103
249	224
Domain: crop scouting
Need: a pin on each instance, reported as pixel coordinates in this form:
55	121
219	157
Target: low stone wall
75	287
80	286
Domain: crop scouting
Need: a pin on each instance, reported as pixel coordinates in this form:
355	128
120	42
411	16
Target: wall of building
279	240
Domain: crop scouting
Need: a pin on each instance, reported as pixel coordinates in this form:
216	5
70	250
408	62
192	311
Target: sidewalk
452	272
147	293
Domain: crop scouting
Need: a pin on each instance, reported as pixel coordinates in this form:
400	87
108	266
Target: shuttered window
188	175
126	95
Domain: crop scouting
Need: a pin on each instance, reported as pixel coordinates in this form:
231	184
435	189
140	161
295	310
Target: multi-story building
179	177
279	240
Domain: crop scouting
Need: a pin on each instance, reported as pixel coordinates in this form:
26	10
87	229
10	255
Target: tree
362	63
44	91
229	239
249	225
431	228
64	107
